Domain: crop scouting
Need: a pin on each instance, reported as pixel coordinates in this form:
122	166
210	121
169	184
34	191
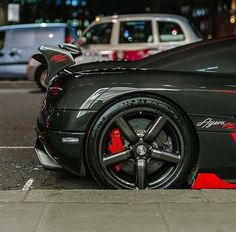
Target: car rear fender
116	94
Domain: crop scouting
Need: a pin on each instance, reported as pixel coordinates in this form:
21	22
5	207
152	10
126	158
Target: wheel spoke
155	130
117	158
141	173
127	130
165	156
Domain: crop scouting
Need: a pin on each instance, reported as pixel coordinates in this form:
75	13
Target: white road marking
16	147
28	184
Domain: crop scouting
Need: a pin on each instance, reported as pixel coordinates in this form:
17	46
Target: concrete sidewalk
113	210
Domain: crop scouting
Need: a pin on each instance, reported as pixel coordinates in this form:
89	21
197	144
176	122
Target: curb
118	196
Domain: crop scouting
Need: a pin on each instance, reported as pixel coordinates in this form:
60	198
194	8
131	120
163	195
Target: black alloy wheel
140	143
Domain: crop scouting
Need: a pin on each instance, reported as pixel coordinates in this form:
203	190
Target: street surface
19	166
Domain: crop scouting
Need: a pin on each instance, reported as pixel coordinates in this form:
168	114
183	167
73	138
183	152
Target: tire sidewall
38	74
164	107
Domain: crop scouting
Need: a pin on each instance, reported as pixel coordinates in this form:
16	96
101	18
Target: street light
233	12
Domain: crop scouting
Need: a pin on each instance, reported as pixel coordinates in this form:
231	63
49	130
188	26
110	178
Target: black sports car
157	123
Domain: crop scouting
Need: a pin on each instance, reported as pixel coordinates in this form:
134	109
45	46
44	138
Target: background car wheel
140	142
40	76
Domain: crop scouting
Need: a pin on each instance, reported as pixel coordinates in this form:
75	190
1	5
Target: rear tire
40	76
157	145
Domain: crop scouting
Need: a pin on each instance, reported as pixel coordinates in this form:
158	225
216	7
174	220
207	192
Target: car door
16	52
98	45
137	39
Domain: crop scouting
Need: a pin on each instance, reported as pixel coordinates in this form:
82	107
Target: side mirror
82	41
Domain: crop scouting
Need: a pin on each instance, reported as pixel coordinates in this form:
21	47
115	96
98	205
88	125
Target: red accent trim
223	91
211	181
229	125
55	88
233	135
116	145
59	58
114	56
68	39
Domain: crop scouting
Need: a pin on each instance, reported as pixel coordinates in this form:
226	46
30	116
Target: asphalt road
19	166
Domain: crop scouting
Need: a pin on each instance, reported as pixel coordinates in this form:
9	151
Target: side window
136	32
170	31
2	39
99	34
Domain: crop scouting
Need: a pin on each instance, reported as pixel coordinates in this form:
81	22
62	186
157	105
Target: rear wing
56	59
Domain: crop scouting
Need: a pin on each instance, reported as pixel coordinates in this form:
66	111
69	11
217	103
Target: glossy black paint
54	145
207	99
57	59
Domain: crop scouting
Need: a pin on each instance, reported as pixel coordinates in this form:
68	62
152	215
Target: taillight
68	39
136	55
55	89
118	55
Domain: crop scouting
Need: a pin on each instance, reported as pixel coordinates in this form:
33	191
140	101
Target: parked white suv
123	36
130	37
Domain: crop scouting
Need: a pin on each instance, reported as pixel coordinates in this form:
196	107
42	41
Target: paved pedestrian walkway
118	211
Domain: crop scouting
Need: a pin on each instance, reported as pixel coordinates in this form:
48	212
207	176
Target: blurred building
2	13
73	12
213	18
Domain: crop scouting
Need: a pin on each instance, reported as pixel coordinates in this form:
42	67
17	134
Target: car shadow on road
65	180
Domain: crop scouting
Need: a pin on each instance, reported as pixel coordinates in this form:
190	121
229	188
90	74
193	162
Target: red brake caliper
116	145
